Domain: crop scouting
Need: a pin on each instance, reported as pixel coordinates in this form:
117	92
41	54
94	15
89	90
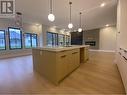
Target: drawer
122	65
75	51
62	53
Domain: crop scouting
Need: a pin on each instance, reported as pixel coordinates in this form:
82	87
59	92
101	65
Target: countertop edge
60	49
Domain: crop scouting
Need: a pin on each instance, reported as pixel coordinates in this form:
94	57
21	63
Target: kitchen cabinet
55	66
62	65
84	54
74	59
122	66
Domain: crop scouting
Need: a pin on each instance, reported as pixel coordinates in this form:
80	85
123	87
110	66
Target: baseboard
103	50
14	53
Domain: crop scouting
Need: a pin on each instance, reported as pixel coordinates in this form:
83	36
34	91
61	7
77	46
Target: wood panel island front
55	63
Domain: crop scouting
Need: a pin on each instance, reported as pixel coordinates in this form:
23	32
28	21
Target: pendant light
80	29
70	25
51	16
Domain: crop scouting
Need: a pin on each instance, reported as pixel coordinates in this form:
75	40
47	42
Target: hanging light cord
80	19
51	7
70	10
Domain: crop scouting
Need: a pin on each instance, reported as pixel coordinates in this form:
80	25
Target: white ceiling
36	11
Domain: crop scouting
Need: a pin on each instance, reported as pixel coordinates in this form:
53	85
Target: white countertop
58	48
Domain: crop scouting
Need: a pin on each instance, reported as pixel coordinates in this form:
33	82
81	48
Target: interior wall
92	36
27	28
53	29
108	38
122	23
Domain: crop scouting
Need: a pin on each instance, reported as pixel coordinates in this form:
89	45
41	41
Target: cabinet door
62	65
122	66
74	59
124	71
86	54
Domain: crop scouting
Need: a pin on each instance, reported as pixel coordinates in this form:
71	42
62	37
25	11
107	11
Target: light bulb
70	25
102	5
80	30
107	25
51	17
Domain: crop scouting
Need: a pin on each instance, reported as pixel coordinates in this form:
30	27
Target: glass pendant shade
51	17
70	25
80	30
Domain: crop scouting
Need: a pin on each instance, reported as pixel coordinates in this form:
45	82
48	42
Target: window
2	40
55	39
52	39
34	40
67	40
61	40
15	38
27	38
30	40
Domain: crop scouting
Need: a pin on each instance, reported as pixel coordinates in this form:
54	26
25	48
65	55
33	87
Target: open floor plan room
98	76
63	47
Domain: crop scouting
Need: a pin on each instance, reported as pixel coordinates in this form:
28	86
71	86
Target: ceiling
36	11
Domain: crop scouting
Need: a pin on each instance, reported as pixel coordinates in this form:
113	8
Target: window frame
31	40
4	39
56	36
36	40
10	41
64	39
67	37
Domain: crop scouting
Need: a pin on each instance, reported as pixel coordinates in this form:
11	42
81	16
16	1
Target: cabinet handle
74	52
125	58
125	51
119	53
63	56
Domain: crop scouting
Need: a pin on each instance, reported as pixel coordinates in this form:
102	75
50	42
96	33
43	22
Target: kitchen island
55	63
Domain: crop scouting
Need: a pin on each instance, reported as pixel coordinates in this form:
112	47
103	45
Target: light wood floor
99	76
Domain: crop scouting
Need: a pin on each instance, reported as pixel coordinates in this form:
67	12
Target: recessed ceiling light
37	24
107	25
102	5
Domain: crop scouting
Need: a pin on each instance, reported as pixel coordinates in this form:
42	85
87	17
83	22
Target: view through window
15	38
30	40
2	40
52	39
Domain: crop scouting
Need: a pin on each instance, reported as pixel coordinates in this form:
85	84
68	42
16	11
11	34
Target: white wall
107	39
122	23
53	29
27	28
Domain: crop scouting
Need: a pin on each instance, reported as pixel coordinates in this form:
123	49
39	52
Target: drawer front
75	50
122	66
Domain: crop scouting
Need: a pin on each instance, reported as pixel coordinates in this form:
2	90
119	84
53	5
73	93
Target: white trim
103	50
